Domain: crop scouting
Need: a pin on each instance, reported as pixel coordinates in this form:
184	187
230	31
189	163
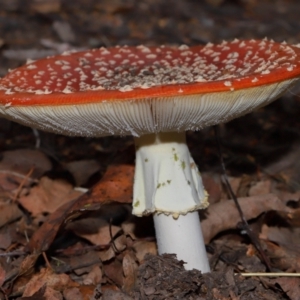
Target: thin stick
14	253
281	274
246	226
22	184
47	261
112	238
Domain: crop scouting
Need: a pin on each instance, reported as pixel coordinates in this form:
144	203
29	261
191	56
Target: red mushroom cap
134	74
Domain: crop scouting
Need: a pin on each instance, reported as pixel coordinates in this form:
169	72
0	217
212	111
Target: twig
114	247
22	184
47	261
246	226
18	175
13	253
281	274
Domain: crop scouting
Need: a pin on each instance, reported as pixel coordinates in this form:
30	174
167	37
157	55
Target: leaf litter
58	241
91	240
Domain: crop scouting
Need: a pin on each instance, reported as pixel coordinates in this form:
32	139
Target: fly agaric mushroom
154	94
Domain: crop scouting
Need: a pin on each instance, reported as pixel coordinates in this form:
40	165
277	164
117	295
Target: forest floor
58	242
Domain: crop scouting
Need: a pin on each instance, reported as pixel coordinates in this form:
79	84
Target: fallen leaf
291	286
224	215
38	295
115	186
23	160
95	230
282	257
9	212
284	236
117	245
130	268
5	240
52	294
213	186
262	187
93	277
83	264
114	271
72	294
47	278
106	255
82	170
48	196
142	248
287	168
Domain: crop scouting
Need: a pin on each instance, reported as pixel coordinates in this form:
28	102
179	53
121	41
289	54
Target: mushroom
154	94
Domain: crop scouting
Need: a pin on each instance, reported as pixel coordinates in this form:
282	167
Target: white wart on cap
140	90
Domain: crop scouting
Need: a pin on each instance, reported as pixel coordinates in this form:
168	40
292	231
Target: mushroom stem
168	183
182	236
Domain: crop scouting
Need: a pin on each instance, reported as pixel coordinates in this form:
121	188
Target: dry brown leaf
87	291
27	264
284	241
291	286
115	186
262	187
11	181
72	294
9	213
82	170
39	295
293	218
23	160
128	229
5	240
130	269
286	196
114	271
142	248
213	187
48	196
224	215
120	243
287	167
282	258
106	255
46	277
236	183
93	277
83	264
284	236
117	245
44	293
51	294
96	230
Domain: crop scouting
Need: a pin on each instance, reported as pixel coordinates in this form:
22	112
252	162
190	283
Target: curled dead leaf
130	269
